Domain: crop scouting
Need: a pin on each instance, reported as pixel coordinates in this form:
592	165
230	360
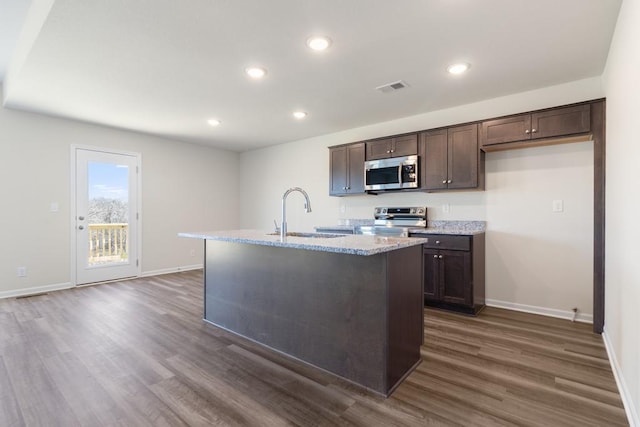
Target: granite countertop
463	228
452	231
346	244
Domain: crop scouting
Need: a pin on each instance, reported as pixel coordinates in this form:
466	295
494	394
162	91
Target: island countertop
345	244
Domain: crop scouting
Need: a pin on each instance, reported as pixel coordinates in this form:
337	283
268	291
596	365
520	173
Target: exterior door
105	218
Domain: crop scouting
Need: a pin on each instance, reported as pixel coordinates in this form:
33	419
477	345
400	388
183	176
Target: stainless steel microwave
391	174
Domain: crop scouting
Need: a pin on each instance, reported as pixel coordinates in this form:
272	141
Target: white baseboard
632	413
171	270
67	285
34	290
551	312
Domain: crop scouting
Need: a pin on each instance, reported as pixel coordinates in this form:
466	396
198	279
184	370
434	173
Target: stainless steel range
394	221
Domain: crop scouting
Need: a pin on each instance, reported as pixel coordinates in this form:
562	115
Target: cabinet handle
526	131
444	181
449	182
393	151
440	256
388	151
348	188
435	256
534	130
437	242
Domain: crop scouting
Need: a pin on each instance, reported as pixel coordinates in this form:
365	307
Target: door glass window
108	213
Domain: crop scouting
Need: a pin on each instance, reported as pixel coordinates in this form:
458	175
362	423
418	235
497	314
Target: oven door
382	174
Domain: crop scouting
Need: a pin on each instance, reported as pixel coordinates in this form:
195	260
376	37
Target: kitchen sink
311	235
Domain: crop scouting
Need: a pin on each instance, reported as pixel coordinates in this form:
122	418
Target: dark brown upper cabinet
555	122
450	158
346	166
405	145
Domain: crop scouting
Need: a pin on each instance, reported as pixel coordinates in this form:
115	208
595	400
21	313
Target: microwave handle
400	175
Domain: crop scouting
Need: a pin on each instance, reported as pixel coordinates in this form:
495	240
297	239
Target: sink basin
311	235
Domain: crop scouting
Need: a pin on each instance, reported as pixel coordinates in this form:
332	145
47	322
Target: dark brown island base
350	305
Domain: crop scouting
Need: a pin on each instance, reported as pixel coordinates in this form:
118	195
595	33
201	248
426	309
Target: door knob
81	227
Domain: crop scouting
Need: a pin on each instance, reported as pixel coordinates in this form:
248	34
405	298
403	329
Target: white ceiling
165	66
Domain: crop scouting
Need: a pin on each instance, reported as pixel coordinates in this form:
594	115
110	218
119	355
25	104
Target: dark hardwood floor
137	353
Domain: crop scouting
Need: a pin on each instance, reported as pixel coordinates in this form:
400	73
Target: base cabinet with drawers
454	272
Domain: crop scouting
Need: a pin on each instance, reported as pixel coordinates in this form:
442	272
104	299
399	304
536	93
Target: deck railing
108	243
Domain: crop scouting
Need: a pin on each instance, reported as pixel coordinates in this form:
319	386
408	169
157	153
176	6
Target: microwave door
382	178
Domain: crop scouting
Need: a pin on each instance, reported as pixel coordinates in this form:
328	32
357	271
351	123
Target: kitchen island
350	305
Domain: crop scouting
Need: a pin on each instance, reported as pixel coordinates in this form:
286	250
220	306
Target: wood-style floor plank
138	353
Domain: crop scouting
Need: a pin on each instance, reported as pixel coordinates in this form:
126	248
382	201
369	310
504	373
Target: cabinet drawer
445	241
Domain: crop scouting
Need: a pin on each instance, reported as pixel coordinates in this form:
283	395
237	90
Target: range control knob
384	211
413	210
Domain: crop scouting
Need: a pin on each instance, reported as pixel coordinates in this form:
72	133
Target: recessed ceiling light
299	114
458	68
318	42
255	72
214	122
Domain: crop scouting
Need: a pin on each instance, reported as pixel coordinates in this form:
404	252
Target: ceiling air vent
392	87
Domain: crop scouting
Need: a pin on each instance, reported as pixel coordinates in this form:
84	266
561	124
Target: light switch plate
558	206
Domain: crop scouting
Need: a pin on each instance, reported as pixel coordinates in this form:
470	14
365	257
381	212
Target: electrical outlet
343	208
192	252
54	207
22	271
446	208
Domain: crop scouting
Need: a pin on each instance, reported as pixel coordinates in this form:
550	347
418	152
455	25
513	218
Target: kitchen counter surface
347	244
463	228
453	231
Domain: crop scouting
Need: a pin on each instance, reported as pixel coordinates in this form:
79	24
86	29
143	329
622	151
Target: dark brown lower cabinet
454	270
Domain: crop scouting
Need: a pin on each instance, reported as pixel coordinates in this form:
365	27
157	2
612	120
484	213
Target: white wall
181	191
535	258
622	280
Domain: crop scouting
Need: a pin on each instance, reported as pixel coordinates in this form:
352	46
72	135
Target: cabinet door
433	147
561	121
456	286
463	155
516	128
355	162
431	275
338	171
379	149
405	146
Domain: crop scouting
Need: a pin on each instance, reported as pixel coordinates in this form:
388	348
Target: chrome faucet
307	209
